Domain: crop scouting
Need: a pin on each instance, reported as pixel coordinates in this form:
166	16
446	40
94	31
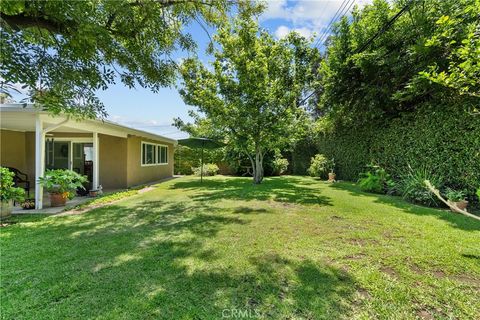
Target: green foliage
319	165
64	51
410	97
411	186
8	191
209	169
376	180
251	92
455	195
459	37
61	181
444	137
280	166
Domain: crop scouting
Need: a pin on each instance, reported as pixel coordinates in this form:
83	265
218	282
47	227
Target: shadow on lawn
456	220
280	189
156	260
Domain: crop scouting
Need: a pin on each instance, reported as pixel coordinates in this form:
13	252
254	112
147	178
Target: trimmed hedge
444	139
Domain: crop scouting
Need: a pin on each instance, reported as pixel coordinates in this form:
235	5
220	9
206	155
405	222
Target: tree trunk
258	166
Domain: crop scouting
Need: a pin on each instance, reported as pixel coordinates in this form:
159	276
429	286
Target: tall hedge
443	138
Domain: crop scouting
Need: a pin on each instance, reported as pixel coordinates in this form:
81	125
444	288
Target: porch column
39	161
95	182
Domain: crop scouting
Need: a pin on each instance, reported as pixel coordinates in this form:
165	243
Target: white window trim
155	154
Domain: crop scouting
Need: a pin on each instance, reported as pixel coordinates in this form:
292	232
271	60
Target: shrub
8	191
209	169
412	187
319	166
64	182
455	195
442	135
376	180
280	166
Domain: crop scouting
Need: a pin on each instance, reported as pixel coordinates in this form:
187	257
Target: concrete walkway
51	210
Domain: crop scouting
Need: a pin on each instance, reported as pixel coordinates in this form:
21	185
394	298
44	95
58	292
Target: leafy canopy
63	51
431	53
250	94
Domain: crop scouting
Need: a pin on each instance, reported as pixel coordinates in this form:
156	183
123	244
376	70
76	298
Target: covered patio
33	141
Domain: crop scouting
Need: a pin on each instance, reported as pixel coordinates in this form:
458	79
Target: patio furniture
20	179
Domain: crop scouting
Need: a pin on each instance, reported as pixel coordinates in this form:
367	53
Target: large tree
63	51
252	92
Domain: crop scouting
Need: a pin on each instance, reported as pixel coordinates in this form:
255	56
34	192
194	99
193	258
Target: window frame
157	147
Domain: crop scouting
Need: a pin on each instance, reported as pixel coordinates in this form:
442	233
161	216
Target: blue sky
154	112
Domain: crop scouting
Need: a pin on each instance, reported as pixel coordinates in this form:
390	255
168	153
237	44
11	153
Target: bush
412	186
455	195
8	191
319	166
376	180
64	182
444	136
209	169
280	166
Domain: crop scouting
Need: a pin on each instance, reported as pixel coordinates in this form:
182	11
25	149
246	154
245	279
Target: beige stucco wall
13	149
113	162
136	174
120	158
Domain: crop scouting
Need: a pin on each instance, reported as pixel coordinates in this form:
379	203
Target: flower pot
6	209
93	193
331	177
28	204
57	200
462	205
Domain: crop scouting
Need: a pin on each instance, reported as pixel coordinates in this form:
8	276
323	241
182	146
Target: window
154	154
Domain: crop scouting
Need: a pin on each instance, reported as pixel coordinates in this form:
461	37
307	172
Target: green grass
291	248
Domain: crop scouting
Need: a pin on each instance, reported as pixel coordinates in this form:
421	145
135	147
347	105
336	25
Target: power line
380	32
323	33
342	13
386	26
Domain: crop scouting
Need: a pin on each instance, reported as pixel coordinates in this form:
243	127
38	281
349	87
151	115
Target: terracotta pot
331	177
93	193
6	209
57	200
462	204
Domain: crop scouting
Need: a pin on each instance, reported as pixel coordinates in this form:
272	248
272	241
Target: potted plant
61	185
28	204
457	198
331	173
8	192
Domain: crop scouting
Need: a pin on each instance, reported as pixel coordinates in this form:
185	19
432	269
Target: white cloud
306	16
282	31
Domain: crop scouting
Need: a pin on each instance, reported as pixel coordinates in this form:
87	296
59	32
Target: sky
154	112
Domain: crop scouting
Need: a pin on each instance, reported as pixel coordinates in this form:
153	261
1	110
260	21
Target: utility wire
385	27
379	33
331	21
338	15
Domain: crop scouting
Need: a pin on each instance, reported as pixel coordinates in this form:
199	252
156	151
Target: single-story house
111	155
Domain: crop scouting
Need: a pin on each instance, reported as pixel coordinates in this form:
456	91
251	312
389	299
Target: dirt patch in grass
468	280
363	294
416	269
424	314
388	270
439	274
361	242
355	256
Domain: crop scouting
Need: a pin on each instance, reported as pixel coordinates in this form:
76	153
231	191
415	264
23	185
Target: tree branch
22	21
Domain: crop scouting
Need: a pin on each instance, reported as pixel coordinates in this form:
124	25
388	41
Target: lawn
291	248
